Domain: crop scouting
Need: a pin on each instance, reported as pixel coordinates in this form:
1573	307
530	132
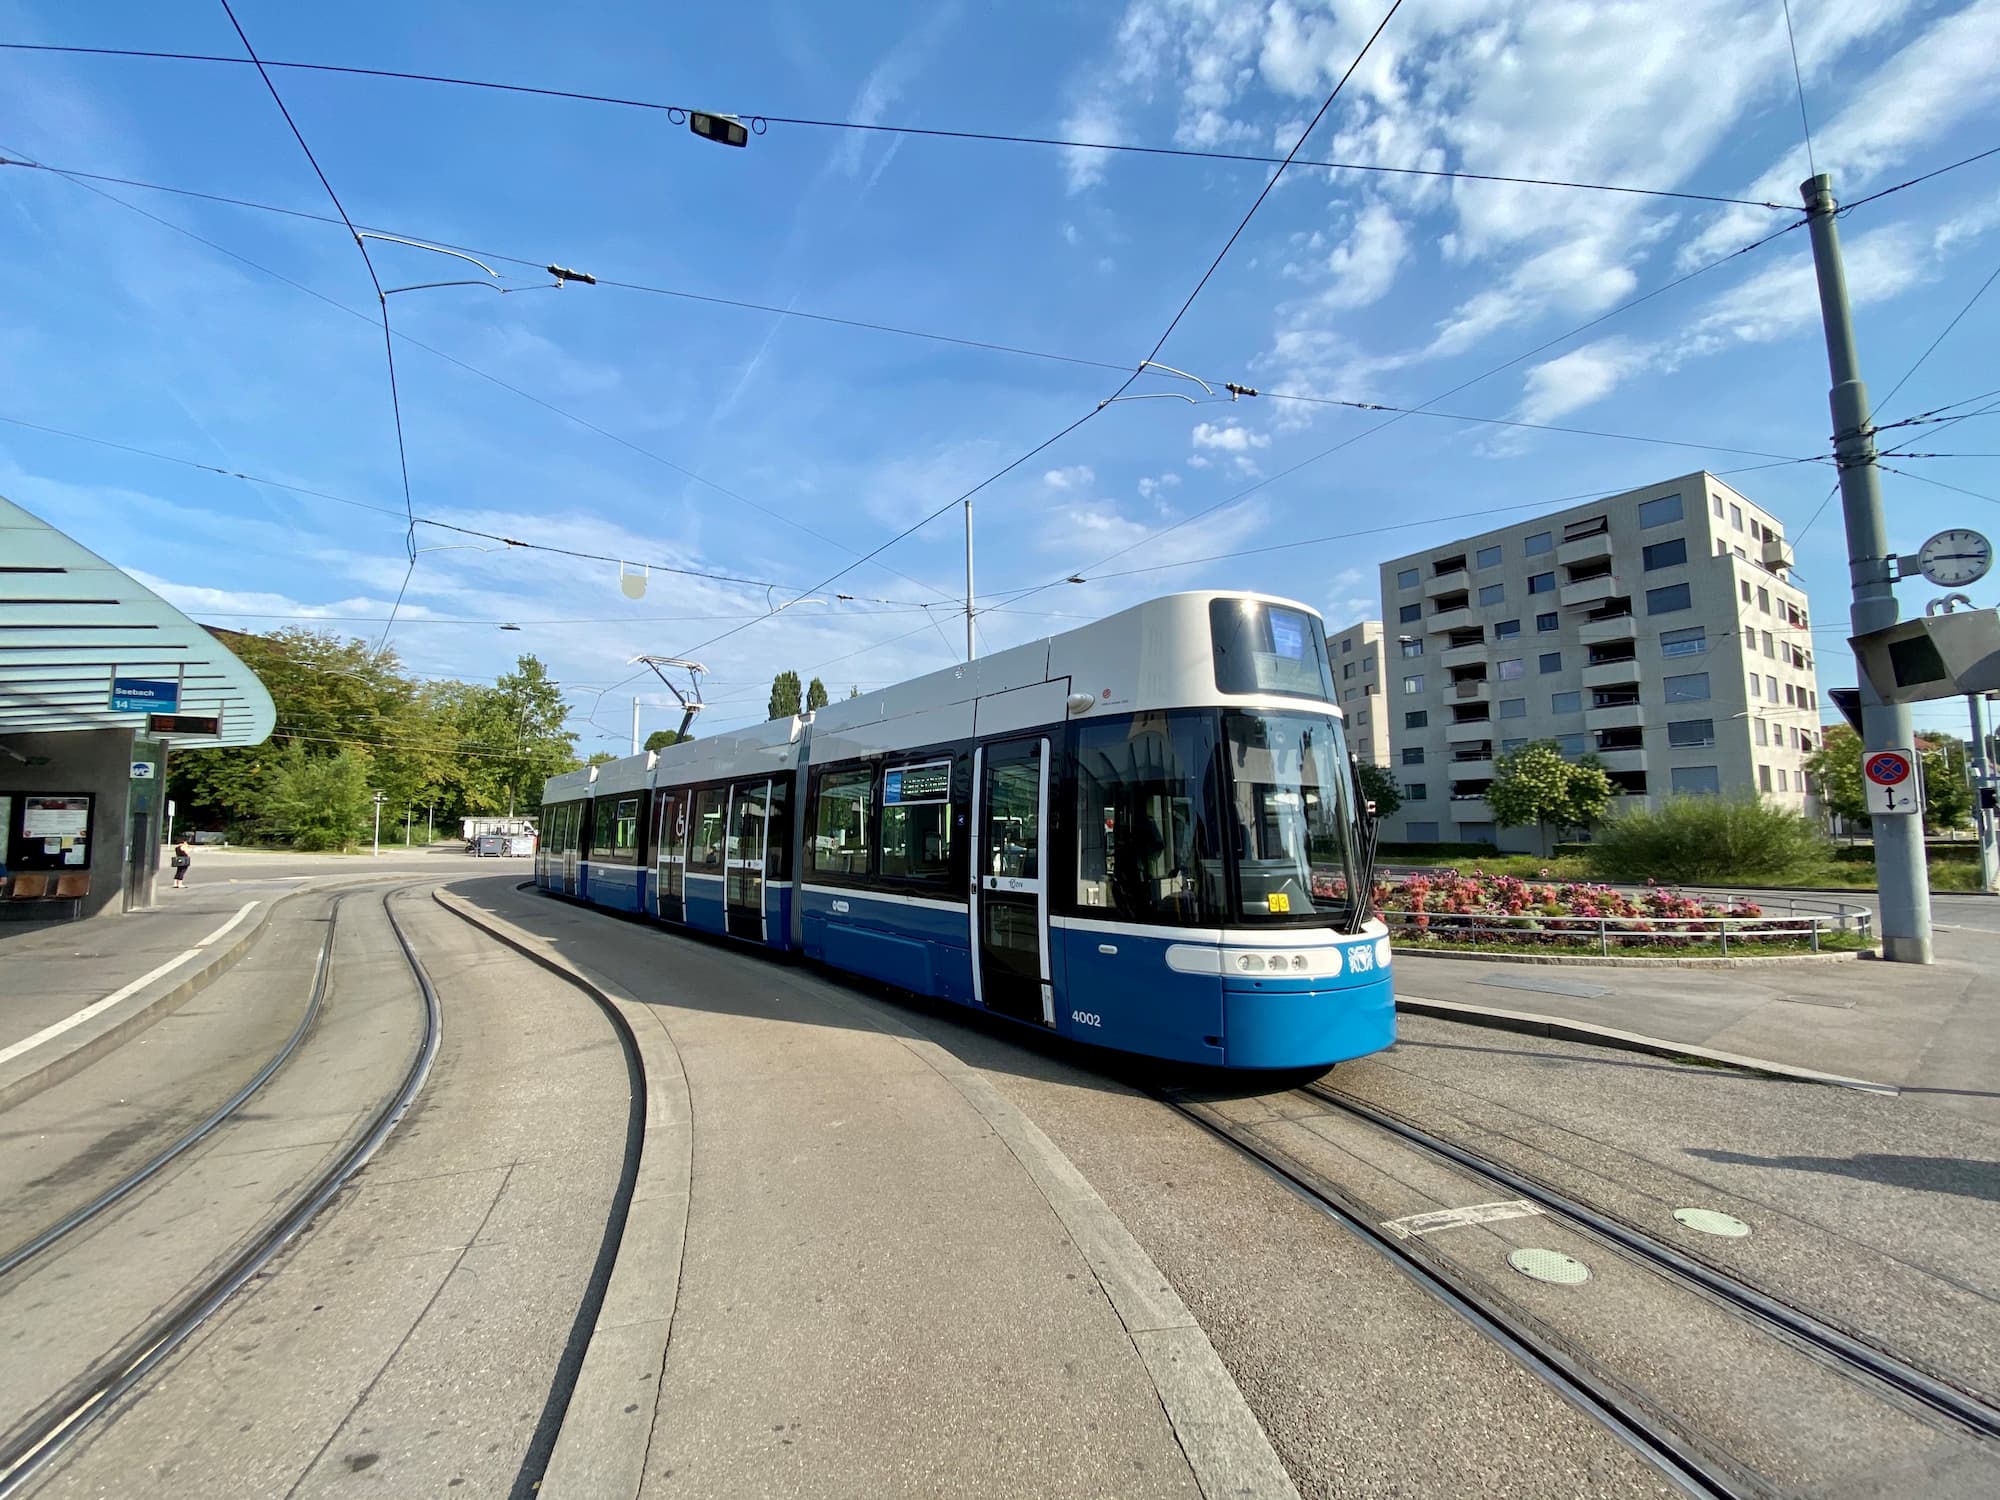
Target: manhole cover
1708	1221
1549	1265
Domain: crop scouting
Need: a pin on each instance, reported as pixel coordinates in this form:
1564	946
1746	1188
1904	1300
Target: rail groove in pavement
26	1450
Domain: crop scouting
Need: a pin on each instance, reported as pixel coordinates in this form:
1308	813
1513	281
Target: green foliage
1835	769
1947	794
320	801
854	692
659	739
1534	784
1433	854
1378	785
785	698
1740	838
601	757
815	695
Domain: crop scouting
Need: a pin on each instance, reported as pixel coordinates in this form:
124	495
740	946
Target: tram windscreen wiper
1367	828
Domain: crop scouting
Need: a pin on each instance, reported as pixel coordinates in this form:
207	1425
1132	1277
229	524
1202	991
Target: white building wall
1358	677
1664	638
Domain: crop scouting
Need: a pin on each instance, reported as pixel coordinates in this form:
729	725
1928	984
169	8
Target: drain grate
1709	1221
1550	1265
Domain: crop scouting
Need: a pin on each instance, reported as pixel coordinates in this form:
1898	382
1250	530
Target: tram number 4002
1085	1018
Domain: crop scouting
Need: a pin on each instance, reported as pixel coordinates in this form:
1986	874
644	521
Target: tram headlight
1300	963
1250	963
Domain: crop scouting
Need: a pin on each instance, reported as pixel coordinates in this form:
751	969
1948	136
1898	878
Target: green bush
1431	854
1737	838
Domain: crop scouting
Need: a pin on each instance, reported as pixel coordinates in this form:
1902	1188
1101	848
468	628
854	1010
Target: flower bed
1447	908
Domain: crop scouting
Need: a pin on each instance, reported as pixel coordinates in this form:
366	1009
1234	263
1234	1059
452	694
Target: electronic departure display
925	783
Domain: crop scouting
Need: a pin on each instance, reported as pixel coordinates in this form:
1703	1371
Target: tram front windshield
1293	823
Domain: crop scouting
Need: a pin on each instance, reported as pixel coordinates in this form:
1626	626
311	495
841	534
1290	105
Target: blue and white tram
1145	834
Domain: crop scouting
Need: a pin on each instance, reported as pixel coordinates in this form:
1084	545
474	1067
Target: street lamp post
380	798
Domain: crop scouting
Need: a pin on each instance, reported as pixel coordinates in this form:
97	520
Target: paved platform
891	1282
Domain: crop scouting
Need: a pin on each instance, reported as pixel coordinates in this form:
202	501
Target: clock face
1955	558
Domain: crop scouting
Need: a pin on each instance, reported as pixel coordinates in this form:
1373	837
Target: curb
1633	961
1563	1029
600	1450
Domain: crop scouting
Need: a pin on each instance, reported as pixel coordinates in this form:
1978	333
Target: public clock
1954	558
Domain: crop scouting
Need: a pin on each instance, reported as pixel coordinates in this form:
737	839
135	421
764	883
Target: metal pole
968	580
1900	872
429	812
1981	775
409	821
378	826
635	726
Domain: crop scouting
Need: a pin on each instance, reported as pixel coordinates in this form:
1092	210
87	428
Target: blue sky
778	449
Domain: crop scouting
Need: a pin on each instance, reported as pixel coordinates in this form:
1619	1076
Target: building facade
1657	630
1358	670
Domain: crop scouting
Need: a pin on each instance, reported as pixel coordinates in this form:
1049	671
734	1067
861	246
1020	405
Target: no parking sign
1889	777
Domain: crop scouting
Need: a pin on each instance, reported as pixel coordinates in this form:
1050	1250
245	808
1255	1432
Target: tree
854	692
1947	793
1378	785
1836	770
784	695
320	801
601	757
815	695
659	739
1534	784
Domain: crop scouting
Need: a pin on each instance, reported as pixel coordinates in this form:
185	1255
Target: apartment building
1657	630
1358	673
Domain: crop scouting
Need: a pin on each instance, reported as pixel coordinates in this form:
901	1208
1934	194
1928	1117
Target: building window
1692	641
1736	517
1741	553
1763	778
1414	646
1417	718
1552	661
1691	688
1794	733
1546	622
1347	647
1716	500
1770	644
1361	719
1764	601
1760	731
1688	734
1408	613
1566	703
1756	531
1696	781
1492	593
1508	745
1506	630
1406	578
1659	512
1664	554
1784	780
1669	600
1541	541
1756	686
1413	755
1486	557
1421	833
1771	689
1414	684
1570	744
1347	669
1542	583
1744	585
1367	665
1513	708
1509	669
1416	791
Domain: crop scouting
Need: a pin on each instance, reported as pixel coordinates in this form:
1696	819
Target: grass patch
1523	866
1829	942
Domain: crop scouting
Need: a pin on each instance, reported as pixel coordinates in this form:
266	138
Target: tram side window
615	830
778	846
840	822
916	822
1147	815
705	850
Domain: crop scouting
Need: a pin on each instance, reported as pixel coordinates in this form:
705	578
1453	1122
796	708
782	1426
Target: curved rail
1692	1470
1833	1344
21	1254
30	1449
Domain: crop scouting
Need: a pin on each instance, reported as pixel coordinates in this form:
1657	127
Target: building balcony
1471	810
1589	591
1446	583
1599	632
1585	549
1622	760
1611	674
1479	768
1451	619
1471	732
1462	656
1618	716
1479	690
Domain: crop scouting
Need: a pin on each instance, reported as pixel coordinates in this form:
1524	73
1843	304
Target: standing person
182	859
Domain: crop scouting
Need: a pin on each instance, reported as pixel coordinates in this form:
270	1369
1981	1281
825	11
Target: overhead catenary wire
759	120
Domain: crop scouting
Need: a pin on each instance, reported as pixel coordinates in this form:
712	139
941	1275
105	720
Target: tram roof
70	623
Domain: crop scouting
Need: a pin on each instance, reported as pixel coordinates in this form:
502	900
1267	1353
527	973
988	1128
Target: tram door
572	836
1010	896
749	826
670	846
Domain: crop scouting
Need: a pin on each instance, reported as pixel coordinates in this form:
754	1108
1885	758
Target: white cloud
1094	120
1965	227
1230	437
1562	385
1197	461
1070	235
1363	266
1153	484
1075	477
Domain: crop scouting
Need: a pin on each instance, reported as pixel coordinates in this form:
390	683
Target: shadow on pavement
1961	1177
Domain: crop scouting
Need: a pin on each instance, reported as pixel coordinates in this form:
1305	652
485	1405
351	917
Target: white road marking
1452	1218
98	1007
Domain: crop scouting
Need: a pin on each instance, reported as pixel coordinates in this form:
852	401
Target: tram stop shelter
100	681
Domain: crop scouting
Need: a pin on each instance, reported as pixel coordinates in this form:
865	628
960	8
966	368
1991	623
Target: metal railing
1527	931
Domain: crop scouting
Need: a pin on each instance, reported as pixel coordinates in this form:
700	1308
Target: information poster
52	832
55	818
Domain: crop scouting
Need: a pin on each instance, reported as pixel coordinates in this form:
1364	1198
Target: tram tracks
1361	1166
28	1446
